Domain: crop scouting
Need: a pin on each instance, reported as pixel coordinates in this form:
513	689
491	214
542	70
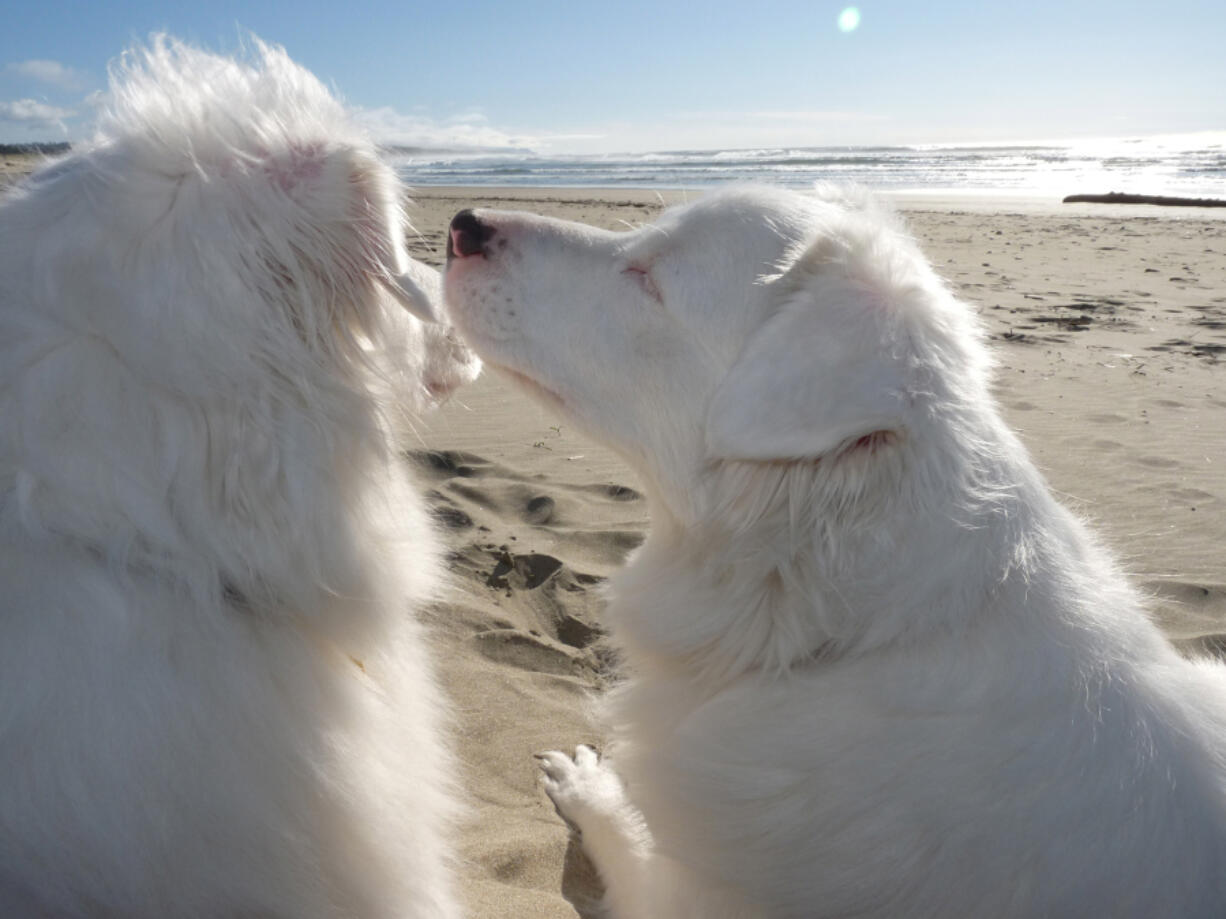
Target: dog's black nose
468	235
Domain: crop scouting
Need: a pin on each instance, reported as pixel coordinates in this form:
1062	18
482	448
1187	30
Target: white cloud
465	131
33	113
809	117
794	117
472	130
468	118
735	130
52	72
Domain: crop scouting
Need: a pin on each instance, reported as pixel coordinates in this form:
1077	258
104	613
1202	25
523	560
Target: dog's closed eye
642	277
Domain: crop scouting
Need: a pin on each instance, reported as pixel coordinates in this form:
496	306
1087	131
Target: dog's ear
821	372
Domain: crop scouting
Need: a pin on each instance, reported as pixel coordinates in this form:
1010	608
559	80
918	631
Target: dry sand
14	165
1109	327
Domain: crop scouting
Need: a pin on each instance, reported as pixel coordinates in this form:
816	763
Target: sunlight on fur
872	667
202	520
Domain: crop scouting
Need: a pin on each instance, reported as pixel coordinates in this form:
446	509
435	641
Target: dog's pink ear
820	373
298	164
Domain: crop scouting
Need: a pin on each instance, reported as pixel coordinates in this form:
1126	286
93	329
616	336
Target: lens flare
849	19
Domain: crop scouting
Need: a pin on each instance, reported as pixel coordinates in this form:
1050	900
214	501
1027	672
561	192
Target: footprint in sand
530	652
447	512
529	554
1157	462
1192	496
445	464
539	510
1192	613
588	520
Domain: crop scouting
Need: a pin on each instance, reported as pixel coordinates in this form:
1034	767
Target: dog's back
988	724
214	700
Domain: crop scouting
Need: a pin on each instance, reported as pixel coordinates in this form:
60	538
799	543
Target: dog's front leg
589	796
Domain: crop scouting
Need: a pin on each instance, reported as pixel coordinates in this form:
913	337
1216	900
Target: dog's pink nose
467	236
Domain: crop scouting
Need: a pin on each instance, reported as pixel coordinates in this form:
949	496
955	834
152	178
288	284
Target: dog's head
753	326
198	312
229	210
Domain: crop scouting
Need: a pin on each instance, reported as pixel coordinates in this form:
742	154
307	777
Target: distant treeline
48	149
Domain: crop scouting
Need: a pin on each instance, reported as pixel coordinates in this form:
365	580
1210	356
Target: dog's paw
582	788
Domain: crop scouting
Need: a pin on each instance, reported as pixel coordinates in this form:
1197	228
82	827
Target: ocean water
1191	165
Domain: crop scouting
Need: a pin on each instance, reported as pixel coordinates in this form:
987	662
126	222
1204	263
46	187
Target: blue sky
604	77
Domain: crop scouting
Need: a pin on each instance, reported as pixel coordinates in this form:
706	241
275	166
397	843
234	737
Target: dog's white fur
215	700
873	668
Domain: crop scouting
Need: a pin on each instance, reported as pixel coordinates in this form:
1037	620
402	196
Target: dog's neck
257	492
809	564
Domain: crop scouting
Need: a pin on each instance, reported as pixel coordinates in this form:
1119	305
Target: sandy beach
1109	330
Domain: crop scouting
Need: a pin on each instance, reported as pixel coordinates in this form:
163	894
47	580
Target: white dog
873	668
214	699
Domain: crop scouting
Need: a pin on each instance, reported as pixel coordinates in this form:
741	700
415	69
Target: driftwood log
1116	197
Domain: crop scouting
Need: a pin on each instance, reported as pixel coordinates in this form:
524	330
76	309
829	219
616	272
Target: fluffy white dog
214	698
873	668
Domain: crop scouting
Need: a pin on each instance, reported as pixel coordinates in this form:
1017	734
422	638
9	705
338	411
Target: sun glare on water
849	19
